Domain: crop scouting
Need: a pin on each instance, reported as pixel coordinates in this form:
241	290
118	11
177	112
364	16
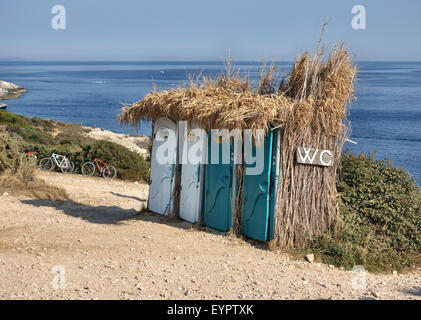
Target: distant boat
3	106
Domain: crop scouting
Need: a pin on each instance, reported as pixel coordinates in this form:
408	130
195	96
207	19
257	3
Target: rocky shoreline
10	90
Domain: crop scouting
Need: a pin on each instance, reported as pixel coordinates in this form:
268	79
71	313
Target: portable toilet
193	145
220	182
163	163
259	189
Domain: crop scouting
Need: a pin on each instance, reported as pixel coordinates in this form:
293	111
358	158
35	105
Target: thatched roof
315	89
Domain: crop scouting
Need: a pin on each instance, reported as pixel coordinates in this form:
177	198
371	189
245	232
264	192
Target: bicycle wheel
88	169
109	172
73	166
67	167
46	164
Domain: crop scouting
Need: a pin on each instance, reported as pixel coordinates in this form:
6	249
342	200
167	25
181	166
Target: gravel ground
98	245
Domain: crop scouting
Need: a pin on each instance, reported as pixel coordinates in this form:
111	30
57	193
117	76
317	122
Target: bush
20	126
17	173
13	120
13	161
129	165
380	221
69	140
46	125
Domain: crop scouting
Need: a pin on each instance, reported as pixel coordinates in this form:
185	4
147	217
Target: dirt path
107	249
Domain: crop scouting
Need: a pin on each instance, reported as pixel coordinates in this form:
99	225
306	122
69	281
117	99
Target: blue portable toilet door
219	176
257	209
161	180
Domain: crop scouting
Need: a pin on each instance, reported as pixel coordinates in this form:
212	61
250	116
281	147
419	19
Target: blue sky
205	30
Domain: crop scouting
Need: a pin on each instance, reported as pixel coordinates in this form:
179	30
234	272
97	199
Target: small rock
395	273
309	257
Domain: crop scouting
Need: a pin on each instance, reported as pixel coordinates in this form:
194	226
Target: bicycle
59	161
108	172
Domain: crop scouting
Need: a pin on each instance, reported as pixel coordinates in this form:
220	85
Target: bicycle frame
96	161
60	161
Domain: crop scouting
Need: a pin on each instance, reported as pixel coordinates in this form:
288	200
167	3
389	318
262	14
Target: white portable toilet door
163	162
192	173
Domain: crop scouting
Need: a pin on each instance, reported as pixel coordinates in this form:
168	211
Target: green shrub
13	162
17	173
129	165
47	125
14	120
9	154
380	221
36	134
23	128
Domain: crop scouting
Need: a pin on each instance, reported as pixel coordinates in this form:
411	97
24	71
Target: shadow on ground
93	214
149	216
127	197
116	215
414	291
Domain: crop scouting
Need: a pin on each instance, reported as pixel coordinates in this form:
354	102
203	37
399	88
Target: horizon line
178	61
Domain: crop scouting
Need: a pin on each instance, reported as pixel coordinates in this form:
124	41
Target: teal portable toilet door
275	179
218	194
257	193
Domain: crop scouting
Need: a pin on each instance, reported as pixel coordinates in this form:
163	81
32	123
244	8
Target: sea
385	118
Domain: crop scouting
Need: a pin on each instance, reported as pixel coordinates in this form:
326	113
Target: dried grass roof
315	93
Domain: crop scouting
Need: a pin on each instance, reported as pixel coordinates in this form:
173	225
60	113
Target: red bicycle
89	168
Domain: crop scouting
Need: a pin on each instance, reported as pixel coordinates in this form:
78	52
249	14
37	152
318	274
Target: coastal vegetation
45	136
17	172
379	225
